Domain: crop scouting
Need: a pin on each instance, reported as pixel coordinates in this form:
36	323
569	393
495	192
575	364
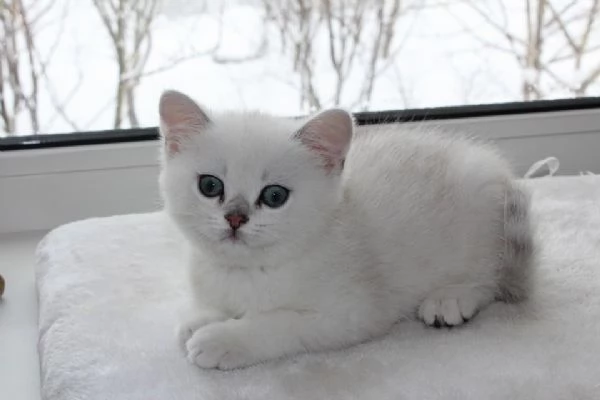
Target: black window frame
44	141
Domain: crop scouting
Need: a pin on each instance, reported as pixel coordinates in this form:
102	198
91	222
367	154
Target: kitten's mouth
233	236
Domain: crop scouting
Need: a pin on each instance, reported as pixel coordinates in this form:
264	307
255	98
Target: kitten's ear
180	118
328	134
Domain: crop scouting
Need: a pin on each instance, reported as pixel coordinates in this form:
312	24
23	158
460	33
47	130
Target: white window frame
41	189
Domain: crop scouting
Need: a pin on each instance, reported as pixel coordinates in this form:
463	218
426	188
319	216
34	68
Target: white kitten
293	250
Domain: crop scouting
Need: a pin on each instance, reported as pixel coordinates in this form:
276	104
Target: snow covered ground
439	62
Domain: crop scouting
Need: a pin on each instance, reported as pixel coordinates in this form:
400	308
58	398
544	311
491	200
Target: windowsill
19	369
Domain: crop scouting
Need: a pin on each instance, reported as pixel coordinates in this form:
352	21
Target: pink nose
236	220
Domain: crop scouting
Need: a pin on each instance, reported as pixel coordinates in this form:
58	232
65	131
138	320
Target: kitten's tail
519	246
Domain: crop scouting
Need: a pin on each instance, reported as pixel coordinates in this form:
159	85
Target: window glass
84	65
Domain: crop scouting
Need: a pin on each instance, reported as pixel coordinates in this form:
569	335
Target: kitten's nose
236	220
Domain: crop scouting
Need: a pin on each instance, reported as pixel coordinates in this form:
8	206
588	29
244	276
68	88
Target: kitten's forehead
254	128
251	149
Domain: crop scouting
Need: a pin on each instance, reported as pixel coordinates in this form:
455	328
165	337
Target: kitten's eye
210	186
274	196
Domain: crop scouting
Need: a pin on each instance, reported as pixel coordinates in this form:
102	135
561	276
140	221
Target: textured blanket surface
110	290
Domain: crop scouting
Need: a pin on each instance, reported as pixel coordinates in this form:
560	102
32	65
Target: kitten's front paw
452	306
190	325
219	346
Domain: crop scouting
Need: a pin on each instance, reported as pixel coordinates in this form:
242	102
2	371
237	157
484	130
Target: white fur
413	224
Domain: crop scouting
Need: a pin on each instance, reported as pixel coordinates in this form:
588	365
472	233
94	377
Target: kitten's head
249	187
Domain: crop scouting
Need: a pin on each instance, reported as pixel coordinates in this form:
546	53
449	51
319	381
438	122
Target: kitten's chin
245	253
236	246
235	253
241	246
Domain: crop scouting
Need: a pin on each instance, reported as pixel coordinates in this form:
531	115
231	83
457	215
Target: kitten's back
436	201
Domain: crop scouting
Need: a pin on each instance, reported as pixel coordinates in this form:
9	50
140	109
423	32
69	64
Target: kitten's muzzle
236	220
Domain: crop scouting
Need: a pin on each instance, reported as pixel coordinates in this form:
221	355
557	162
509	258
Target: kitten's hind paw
453	305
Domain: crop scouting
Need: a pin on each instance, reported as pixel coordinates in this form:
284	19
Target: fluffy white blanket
109	291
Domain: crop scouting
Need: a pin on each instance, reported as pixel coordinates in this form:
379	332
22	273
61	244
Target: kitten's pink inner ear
328	134
180	117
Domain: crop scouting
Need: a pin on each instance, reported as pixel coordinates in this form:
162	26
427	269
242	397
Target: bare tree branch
546	22
343	24
128	24
21	65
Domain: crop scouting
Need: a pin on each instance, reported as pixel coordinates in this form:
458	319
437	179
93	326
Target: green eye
274	196
210	186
